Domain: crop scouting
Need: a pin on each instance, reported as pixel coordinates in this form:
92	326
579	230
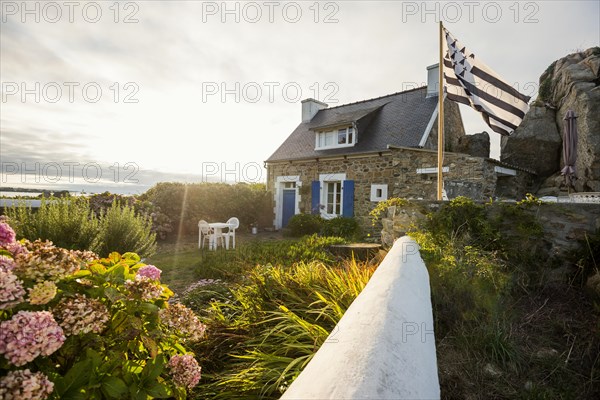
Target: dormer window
339	137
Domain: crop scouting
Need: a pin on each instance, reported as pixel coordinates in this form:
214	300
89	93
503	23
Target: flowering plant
73	325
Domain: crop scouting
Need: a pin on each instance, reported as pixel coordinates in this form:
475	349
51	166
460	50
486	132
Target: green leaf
158	391
73	383
114	257
154	368
130	256
117	272
114	387
94	357
81	273
6	253
97	268
150	345
112	294
118	320
148	308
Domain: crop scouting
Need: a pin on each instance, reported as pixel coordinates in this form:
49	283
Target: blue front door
289	206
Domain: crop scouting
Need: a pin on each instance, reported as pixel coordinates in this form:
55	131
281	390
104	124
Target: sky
117	96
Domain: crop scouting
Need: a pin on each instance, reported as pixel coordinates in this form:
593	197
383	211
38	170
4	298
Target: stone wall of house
469	176
364	171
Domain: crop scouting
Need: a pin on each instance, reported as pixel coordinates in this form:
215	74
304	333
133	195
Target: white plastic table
217	230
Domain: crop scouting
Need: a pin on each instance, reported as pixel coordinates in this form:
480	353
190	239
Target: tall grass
231	265
272	324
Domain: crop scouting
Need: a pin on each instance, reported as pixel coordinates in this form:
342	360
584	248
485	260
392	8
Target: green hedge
308	224
186	204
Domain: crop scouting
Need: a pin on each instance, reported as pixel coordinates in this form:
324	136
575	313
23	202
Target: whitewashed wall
384	346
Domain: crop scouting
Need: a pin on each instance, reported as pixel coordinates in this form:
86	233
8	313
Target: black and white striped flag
471	82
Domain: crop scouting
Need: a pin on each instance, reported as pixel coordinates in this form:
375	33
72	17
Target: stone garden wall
564	224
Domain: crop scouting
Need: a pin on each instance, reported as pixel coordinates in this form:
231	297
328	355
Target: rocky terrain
572	82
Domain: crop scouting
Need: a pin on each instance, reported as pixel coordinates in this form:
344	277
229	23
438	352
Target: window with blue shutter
316	196
348	198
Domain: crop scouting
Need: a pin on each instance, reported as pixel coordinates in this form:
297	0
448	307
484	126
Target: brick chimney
310	107
433	80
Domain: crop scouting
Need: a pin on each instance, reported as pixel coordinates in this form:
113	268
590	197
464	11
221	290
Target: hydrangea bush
73	325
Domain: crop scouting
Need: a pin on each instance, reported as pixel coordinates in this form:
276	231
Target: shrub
121	230
313	248
304	224
70	223
161	223
67	222
462	219
186	204
108	329
382	207
347	228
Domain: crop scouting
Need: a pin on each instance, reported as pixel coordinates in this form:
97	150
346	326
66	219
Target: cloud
374	49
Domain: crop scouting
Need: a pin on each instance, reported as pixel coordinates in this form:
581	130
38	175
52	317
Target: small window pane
342	136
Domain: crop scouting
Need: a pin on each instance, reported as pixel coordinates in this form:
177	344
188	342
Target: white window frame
280	185
324	179
384	192
334	133
431	170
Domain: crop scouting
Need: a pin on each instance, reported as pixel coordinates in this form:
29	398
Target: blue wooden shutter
316	197
348	198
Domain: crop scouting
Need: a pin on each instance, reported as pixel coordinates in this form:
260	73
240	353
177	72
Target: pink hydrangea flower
183	320
43	261
42	293
78	314
7	235
149	271
16	248
29	334
11	290
24	384
184	370
143	288
7	264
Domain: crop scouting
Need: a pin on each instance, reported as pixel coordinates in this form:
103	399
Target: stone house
341	161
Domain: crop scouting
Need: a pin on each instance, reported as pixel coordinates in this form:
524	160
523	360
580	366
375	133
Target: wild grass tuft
272	324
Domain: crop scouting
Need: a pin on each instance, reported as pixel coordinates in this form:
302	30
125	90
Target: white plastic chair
234	223
204	233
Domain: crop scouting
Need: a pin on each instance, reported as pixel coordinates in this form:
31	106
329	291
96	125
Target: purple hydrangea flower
149	271
29	334
184	370
7	235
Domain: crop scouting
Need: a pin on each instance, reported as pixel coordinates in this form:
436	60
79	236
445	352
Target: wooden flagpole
440	181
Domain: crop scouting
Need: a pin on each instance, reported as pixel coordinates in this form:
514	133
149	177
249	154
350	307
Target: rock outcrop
477	145
536	144
573	82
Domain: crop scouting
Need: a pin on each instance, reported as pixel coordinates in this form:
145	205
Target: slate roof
397	119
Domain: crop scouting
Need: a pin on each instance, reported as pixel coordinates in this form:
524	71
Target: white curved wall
383	347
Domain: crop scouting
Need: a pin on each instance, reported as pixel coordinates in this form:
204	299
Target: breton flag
469	81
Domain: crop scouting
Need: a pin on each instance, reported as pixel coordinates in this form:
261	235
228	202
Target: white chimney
310	107
433	80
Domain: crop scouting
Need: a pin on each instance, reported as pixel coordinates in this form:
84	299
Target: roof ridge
376	98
